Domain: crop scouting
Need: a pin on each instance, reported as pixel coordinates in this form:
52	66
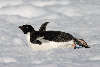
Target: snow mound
4	3
7	60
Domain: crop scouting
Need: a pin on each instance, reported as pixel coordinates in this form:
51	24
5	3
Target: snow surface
78	17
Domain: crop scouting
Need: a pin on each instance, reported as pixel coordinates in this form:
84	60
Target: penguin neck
28	38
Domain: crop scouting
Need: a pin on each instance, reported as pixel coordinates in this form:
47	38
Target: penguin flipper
43	26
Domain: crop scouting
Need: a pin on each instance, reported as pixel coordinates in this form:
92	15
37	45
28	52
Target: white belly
46	45
50	45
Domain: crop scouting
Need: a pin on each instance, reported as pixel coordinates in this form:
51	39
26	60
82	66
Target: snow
7	60
22	10
78	17
49	3
5	3
70	11
95	58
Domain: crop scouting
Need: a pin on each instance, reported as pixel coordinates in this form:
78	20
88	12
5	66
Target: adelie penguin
44	40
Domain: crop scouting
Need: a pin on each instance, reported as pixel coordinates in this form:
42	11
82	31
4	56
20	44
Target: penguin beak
20	27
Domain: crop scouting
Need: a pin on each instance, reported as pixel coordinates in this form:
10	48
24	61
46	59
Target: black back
56	36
